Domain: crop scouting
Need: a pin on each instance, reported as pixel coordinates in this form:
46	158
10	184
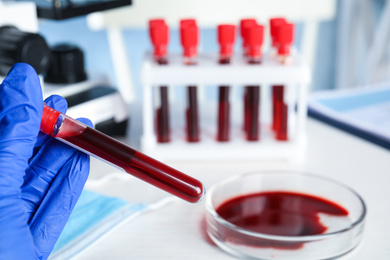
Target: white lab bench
176	230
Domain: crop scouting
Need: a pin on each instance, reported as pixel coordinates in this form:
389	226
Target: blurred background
346	41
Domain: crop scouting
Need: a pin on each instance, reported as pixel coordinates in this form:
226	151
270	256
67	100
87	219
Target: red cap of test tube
185	22
158	31
154	22
49	119
189	35
226	38
273	24
255	38
285	37
244	25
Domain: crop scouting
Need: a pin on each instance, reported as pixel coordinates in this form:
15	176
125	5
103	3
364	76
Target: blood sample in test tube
284	36
110	150
226	38
159	35
255	37
189	35
244	25
277	90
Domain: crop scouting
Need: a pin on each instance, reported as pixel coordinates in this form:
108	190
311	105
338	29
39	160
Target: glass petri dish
284	215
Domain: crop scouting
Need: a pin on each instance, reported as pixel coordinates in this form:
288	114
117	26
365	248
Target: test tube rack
295	77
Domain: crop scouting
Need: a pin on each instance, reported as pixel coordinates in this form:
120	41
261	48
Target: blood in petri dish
136	163
278	213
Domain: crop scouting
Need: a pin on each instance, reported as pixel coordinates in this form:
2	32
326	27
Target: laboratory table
175	229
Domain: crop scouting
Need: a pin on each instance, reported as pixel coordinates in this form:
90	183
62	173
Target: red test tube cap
189	35
245	23
158	21
255	38
185	22
273	24
226	38
285	35
159	37
49	119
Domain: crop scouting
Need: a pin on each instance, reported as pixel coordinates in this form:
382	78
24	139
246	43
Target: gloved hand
40	177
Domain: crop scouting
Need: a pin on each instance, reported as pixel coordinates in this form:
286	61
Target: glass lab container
292	229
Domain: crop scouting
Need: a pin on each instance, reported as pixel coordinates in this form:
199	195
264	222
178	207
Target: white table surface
176	231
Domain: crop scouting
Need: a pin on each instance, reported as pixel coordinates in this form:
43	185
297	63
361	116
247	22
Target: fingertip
57	102
22	68
22	84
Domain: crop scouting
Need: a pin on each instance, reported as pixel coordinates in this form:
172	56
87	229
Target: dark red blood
278	213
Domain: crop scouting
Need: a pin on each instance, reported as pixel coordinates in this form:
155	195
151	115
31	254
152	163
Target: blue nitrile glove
40	177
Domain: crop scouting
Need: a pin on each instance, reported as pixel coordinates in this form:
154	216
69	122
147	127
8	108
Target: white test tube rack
295	77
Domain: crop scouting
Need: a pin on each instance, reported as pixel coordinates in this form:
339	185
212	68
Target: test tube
284	35
189	36
226	37
255	37
244	25
159	36
110	150
277	90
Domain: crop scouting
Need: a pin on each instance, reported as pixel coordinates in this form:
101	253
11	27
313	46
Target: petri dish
284	215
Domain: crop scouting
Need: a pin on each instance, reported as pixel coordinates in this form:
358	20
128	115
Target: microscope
61	70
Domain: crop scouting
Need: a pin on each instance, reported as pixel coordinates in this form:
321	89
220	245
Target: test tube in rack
244	25
255	37
284	35
277	90
189	35
226	38
159	36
